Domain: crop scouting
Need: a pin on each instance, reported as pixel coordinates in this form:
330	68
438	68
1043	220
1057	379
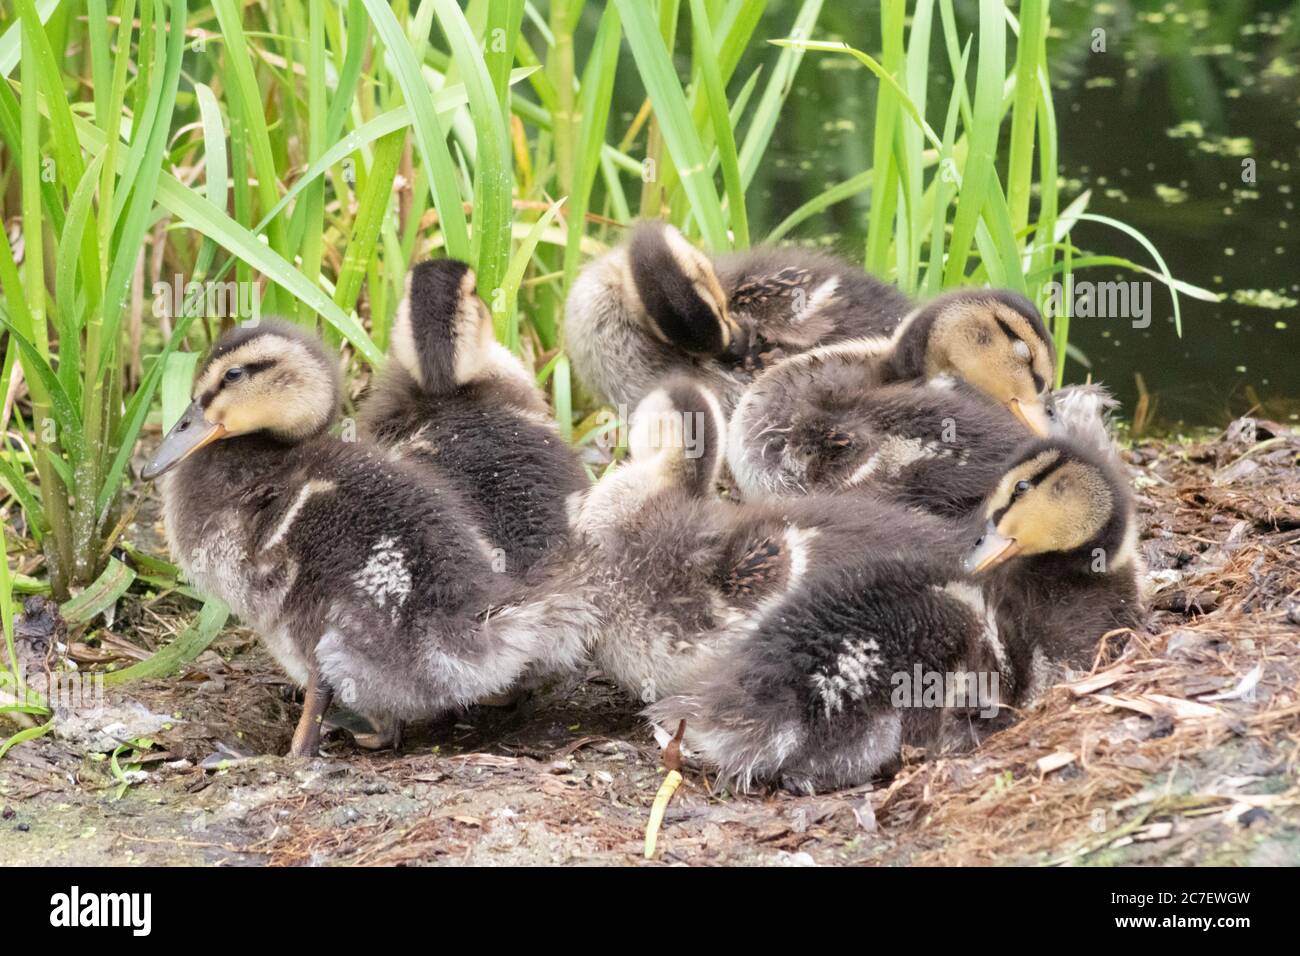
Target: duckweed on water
1170	195
1265	299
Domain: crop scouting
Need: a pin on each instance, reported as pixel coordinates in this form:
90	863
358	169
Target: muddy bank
1181	745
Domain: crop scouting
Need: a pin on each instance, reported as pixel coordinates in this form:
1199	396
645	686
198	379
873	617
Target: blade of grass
65	278
596	98
100	595
10	43
854	186
754	146
245	96
505	327
188	645
444	183
979	171
372	206
200	214
215	171
674	119
1152	251
101	345
493	179
1024	110
177	381
716	97
133	420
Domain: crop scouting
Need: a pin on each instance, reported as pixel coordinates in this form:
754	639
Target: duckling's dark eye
233	374
1022	486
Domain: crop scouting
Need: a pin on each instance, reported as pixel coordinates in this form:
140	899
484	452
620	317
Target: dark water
1157	128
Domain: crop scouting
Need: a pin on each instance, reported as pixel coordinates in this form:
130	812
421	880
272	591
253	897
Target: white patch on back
316	486
855	668
895	454
819	297
798	541
385	577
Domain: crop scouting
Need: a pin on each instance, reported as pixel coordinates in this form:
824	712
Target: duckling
453	398
1058	557
929	414
363	576
811	696
675	574
658	305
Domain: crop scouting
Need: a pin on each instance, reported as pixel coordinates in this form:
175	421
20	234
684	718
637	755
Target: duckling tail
557	630
1083	412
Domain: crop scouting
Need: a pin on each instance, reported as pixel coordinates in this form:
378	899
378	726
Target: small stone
1253	816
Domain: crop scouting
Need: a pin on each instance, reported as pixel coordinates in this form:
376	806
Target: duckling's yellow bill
190	433
1033	415
990	551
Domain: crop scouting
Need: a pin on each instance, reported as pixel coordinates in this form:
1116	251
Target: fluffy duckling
1058	557
816	695
364	577
658	305
677	575
929	414
453	398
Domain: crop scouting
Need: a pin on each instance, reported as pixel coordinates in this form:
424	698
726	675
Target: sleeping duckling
658	306
815	696
453	398
676	575
928	415
364	577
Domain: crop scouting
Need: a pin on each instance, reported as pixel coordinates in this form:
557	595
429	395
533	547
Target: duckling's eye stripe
1010	332
250	369
1039	382
1050	470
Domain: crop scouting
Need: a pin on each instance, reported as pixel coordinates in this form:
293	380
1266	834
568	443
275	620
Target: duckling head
682	302
675	444
272	377
680	427
991	338
1057	497
442	336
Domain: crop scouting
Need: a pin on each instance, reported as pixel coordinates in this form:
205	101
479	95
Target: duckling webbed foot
316	700
368	733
